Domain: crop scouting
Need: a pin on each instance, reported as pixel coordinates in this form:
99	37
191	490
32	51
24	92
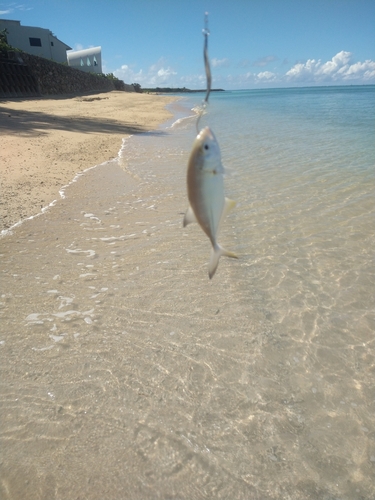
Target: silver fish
205	188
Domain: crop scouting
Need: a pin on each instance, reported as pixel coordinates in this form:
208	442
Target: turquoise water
127	373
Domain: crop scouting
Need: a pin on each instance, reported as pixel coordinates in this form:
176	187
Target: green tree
137	87
4	46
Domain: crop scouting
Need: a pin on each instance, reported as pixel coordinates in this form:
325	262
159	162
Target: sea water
128	373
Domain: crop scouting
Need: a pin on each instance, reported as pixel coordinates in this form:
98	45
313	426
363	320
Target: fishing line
205	32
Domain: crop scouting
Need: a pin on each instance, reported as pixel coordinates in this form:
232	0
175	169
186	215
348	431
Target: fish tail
216	252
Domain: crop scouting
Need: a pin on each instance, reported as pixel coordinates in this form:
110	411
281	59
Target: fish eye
206	147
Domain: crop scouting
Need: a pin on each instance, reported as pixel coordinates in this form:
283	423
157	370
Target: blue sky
253	43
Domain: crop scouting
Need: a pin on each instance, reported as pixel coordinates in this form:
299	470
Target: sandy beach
45	142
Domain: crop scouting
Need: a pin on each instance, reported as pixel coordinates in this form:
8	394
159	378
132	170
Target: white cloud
220	63
301	71
244	63
342	69
337	64
193	81
165	73
127	74
14	7
77	46
263	61
366	69
266	75
339	69
157	74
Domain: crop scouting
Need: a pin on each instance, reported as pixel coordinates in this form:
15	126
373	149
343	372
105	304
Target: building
89	60
36	41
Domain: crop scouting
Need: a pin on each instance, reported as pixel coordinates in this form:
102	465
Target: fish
205	189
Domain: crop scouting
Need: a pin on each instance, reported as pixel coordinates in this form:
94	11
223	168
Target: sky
252	43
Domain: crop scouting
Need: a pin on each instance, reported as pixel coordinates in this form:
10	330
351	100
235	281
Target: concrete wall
28	75
22	37
17	80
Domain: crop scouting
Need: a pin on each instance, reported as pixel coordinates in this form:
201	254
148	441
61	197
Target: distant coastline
169	90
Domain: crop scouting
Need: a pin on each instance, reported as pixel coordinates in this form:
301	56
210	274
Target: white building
89	60
36	41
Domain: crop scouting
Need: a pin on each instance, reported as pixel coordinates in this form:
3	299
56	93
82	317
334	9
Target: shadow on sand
31	123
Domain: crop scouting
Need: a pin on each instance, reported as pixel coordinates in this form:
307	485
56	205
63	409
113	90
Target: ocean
129	372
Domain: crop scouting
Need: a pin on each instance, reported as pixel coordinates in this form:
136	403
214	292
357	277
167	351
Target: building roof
85	52
18	23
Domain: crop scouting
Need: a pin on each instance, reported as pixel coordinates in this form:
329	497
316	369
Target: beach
125	372
46	142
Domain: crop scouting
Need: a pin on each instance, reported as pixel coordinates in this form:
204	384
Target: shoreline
47	142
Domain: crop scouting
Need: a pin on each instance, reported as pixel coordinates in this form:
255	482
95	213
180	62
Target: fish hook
205	32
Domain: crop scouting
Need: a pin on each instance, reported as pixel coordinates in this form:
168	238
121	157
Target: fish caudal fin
216	253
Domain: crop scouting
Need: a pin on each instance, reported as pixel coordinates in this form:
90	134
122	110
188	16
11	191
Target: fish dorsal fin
189	217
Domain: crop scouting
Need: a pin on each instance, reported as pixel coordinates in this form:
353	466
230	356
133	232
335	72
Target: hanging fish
205	188
205	185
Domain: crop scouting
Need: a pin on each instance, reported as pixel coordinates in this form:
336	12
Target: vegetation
119	84
4	46
137	87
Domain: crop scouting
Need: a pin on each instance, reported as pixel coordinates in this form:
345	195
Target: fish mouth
206	132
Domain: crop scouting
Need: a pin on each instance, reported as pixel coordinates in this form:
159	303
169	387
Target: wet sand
45	142
119	357
126	373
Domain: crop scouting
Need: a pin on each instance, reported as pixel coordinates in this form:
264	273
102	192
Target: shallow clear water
126	372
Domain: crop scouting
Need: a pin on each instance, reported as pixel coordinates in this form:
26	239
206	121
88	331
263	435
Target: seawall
25	75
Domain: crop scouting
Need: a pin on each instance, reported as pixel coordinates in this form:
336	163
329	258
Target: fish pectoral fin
216	253
229	205
189	217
